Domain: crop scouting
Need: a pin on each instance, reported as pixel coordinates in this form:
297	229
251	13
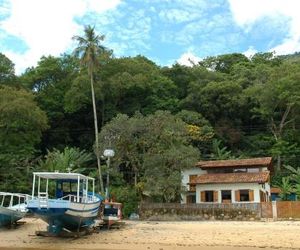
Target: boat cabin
13	200
71	187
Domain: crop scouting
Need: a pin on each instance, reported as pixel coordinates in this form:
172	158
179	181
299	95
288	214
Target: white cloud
188	59
287	47
47	26
250	52
178	15
247	12
128	33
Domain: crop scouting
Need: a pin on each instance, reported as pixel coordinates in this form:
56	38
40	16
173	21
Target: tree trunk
102	111
278	163
96	135
135	178
278	130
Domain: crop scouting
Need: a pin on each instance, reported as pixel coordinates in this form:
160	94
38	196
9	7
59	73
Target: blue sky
166	31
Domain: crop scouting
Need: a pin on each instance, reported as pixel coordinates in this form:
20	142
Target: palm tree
219	152
295	173
297	191
89	49
286	188
72	159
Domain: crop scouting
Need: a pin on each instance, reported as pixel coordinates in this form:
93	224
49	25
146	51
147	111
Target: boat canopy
62	176
81	180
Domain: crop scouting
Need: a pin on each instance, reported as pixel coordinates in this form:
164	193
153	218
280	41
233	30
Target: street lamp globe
109	153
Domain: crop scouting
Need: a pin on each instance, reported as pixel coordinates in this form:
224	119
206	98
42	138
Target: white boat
64	200
12	207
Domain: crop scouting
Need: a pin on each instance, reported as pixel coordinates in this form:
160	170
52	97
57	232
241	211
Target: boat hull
69	215
9	216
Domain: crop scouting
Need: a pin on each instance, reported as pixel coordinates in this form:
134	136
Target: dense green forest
158	120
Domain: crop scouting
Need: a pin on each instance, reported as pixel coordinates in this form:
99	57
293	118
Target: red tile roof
254	162
275	190
261	177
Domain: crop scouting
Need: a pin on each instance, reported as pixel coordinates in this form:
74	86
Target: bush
128	197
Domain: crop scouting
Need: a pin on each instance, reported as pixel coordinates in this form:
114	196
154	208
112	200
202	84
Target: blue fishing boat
64	200
12	208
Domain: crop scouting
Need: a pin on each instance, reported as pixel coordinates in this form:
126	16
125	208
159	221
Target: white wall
233	187
186	179
192	171
218	187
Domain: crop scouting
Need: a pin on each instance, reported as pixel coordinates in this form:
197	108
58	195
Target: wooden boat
12	207
112	213
64	200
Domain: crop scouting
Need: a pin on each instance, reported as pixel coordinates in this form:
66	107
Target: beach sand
150	235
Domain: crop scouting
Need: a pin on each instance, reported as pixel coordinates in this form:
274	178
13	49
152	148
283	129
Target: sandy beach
213	235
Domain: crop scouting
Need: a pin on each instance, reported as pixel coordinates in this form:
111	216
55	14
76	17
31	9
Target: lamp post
108	153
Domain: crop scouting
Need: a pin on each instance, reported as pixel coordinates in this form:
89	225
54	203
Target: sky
165	31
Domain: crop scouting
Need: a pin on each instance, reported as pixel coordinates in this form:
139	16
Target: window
209	196
253	170
15	200
5	201
244	195
240	170
226	196
220	170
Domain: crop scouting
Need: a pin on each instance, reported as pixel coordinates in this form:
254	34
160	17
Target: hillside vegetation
158	120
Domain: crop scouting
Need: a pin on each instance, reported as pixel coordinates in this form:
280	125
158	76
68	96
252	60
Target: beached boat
112	213
12	208
64	200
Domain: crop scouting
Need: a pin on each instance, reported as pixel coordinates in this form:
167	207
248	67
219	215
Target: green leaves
219	152
89	48
295	174
21	125
155	148
286	188
72	159
289	184
7	71
21	121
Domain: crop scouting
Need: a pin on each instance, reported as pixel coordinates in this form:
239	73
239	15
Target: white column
33	185
86	188
93	187
274	210
78	187
39	184
11	200
47	187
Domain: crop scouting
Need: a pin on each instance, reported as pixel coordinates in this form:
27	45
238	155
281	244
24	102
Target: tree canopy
159	120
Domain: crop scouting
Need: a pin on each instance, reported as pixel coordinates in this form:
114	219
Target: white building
228	181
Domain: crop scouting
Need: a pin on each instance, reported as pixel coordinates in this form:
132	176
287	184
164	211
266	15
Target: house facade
228	181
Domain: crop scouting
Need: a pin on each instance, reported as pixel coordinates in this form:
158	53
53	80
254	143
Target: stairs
43	199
